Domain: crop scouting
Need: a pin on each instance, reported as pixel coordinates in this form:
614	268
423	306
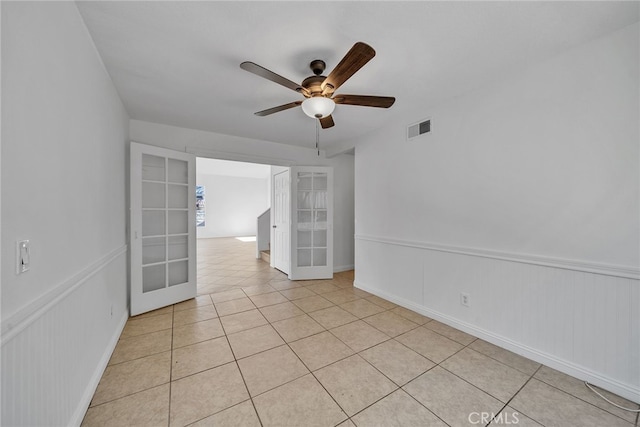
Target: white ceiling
177	62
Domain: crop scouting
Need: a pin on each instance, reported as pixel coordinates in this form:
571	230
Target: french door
311	223
163	239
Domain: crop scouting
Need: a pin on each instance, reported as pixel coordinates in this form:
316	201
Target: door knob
273	226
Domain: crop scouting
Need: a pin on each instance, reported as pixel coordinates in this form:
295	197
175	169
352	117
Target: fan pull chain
318	136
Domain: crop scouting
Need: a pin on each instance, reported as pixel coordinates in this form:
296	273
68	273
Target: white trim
85	400
249	158
621	389
342	268
628	272
31	312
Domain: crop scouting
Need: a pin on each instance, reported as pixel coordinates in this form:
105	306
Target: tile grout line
244	381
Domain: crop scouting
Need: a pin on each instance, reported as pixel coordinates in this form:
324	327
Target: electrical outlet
465	299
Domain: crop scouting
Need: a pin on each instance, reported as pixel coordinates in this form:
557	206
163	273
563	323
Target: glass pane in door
312	219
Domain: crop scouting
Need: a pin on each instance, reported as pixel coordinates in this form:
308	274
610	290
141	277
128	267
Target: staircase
266	256
263	235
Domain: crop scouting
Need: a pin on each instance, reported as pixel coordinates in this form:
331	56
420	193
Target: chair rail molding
29	313
628	272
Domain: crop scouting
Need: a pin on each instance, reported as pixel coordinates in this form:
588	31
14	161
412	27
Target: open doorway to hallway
228	263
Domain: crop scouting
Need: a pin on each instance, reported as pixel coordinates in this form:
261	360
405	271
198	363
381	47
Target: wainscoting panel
53	358
582	323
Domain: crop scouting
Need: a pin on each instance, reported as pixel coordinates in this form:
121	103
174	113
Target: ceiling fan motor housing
317	66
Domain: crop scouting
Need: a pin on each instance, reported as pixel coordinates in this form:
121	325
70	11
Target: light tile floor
257	349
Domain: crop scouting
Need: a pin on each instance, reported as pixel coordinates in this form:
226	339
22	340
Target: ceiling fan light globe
318	107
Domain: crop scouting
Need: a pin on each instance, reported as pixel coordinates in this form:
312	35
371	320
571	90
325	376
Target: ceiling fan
319	90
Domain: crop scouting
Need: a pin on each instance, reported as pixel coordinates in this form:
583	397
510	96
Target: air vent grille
417	129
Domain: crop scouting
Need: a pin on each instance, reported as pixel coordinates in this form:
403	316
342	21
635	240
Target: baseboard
342	268
621	389
85	401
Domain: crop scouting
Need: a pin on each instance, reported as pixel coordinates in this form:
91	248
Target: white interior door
163	239
281	224
311	223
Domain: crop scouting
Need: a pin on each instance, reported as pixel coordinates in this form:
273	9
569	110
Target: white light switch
23	256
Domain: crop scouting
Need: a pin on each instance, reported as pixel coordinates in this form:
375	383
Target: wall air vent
417	129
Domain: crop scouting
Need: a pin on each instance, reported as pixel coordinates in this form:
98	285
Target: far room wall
232	202
525	197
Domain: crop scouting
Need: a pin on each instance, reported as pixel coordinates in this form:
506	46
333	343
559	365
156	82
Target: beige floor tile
203	300
241	321
451	398
164	310
348	423
199	357
273	313
140	346
297	293
578	389
451	333
193	315
252	341
257	290
516	361
272	298
354	383
431	345
411	315
303	402
489	375
552	407
133	376
341	296
206	393
390	323
359	335
149	408
362	308
381	302
510	417
229	280
399	363
256	280
270	369
397	410
233	306
333	317
282	285
298	327
227	295
314	303
320	287
135	327
320	350
240	415
197	332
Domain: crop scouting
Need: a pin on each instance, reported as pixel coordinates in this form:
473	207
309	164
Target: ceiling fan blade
270	75
277	109
365	100
360	54
326	122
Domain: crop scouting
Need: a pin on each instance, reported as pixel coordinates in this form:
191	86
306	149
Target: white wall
525	195
64	133
232	204
215	145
